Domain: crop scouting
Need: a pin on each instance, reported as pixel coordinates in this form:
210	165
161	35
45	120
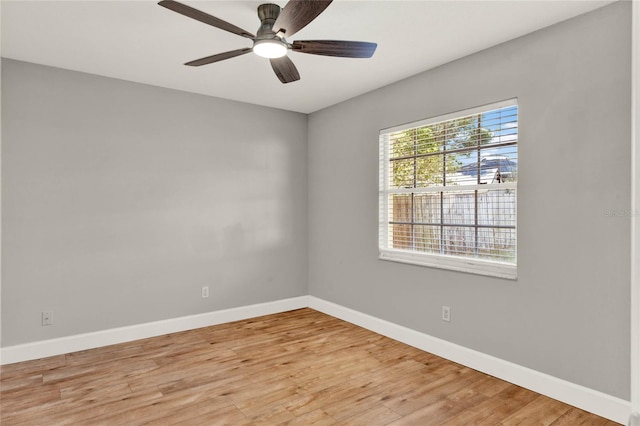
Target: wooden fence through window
467	223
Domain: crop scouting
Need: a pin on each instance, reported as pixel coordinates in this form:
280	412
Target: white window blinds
448	190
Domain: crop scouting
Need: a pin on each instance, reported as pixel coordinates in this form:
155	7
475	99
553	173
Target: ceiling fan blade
219	57
342	48
284	69
297	14
198	15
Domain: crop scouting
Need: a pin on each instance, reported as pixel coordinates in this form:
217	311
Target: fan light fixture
269	48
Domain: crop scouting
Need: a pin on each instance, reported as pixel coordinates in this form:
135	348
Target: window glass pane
498	126
497	244
400	207
400	211
427	141
499	164
458	208
426	208
458	240
429	171
455	171
402	173
401	145
427	238
400	236
503	124
497	207
506	161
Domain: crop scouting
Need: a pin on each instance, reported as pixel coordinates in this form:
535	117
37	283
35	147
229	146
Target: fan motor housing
268	13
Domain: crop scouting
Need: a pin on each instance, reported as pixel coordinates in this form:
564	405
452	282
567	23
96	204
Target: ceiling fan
270	42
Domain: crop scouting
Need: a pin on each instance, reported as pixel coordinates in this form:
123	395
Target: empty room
320	212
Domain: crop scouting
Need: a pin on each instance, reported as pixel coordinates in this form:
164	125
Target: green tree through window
419	155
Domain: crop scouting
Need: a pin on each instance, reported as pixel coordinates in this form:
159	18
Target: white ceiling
143	42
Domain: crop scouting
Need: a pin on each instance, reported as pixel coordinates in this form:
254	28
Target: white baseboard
612	408
80	342
599	403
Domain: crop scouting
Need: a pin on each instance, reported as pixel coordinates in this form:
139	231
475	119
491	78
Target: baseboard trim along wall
599	403
80	342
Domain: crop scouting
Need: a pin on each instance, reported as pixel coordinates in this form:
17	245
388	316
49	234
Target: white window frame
451	262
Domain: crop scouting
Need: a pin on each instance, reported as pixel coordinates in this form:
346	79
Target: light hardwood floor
298	368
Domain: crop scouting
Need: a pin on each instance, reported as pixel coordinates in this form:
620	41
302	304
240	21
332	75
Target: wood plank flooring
296	368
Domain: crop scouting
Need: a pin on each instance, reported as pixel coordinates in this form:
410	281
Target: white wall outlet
205	291
47	318
446	313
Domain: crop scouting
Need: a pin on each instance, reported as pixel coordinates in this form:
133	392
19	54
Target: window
448	189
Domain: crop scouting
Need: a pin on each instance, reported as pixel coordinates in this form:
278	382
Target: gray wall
568	313
121	200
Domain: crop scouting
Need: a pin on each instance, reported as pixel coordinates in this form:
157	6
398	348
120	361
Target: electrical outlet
205	291
47	318
446	313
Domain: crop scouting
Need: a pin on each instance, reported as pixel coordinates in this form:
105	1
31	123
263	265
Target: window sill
472	266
